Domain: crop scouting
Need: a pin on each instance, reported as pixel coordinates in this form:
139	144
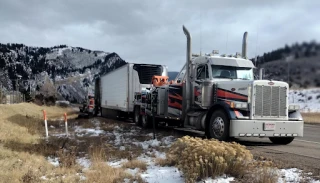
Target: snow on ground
86	163
308	99
155	173
294	175
53	161
117	163
88	132
220	179
79	131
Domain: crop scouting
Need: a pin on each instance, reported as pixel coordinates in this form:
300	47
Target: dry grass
136	164
97	153
201	158
311	117
23	152
164	162
101	172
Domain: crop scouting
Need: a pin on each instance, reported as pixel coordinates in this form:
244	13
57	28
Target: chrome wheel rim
218	127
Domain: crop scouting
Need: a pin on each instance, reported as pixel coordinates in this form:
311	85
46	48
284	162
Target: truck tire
281	140
136	116
219	126
146	121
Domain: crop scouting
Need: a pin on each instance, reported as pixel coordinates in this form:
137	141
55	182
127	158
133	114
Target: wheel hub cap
218	127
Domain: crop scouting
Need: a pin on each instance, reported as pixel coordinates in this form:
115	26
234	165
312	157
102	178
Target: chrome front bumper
255	128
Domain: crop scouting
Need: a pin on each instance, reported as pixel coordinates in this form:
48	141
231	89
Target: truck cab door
202	73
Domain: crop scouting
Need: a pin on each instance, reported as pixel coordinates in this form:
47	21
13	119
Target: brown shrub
201	158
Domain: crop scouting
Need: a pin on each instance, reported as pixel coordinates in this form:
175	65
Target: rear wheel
281	140
137	116
219	126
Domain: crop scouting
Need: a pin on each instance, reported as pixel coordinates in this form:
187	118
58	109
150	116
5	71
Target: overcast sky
150	31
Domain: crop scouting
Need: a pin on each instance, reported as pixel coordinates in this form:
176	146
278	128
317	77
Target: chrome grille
270	101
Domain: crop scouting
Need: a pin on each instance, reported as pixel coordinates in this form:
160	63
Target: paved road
308	146
303	152
311	133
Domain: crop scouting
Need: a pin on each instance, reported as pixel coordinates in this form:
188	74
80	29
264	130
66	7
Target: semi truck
218	95
114	92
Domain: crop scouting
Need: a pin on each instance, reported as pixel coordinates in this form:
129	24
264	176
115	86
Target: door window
202	72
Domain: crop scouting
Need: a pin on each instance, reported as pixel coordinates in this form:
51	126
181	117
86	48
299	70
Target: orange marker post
66	123
45	122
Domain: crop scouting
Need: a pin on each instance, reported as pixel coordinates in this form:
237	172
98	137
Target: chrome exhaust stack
244	45
261	73
188	65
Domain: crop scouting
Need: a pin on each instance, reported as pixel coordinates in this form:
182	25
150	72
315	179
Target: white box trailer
115	91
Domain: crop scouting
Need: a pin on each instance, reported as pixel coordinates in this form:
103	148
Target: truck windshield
219	71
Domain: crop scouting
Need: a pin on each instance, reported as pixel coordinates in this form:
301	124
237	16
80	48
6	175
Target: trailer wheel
281	140
219	126
137	116
146	121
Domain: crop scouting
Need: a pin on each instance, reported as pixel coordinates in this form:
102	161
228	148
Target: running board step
190	130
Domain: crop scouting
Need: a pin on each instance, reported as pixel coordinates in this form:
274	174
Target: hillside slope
65	71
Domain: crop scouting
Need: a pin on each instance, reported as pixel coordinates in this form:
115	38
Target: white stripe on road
307	141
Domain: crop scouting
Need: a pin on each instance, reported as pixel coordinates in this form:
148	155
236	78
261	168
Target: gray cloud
151	31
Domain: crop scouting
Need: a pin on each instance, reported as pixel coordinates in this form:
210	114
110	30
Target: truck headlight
294	107
239	105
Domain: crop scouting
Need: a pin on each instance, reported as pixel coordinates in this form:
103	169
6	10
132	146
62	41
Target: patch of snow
88	131
117	164
52	126
220	179
162	174
149	143
133	171
160	154
86	163
118	137
293	175
168	140
53	161
122	148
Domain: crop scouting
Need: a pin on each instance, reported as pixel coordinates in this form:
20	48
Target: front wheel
219	126
281	140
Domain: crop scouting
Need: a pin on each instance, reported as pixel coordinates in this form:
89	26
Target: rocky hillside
64	71
299	65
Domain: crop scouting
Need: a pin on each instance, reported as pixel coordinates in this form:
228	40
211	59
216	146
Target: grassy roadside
24	152
311	118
